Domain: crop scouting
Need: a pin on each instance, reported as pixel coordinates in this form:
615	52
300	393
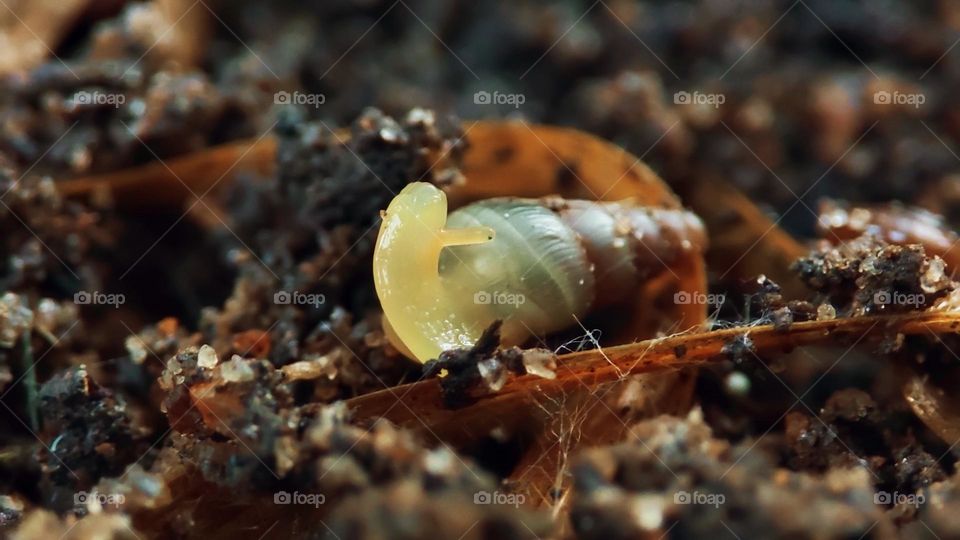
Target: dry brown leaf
745	242
422	407
530	160
169	183
894	223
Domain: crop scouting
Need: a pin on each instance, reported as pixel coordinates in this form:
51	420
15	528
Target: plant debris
484	368
866	275
675	475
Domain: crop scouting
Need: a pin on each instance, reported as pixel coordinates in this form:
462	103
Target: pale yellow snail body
535	264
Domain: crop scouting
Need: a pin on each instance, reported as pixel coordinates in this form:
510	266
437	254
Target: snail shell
535	264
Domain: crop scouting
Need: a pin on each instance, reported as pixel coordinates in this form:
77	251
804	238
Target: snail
536	264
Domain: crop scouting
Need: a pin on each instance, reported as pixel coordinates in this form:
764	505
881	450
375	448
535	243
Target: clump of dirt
483	369
309	464
852	430
103	115
302	245
90	431
480	369
49	243
868	276
676	479
767	300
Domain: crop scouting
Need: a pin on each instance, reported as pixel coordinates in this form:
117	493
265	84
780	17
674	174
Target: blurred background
790	101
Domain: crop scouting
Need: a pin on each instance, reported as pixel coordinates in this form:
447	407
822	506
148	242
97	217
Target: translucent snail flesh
535	264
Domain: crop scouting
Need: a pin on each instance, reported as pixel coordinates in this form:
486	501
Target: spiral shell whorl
535	276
